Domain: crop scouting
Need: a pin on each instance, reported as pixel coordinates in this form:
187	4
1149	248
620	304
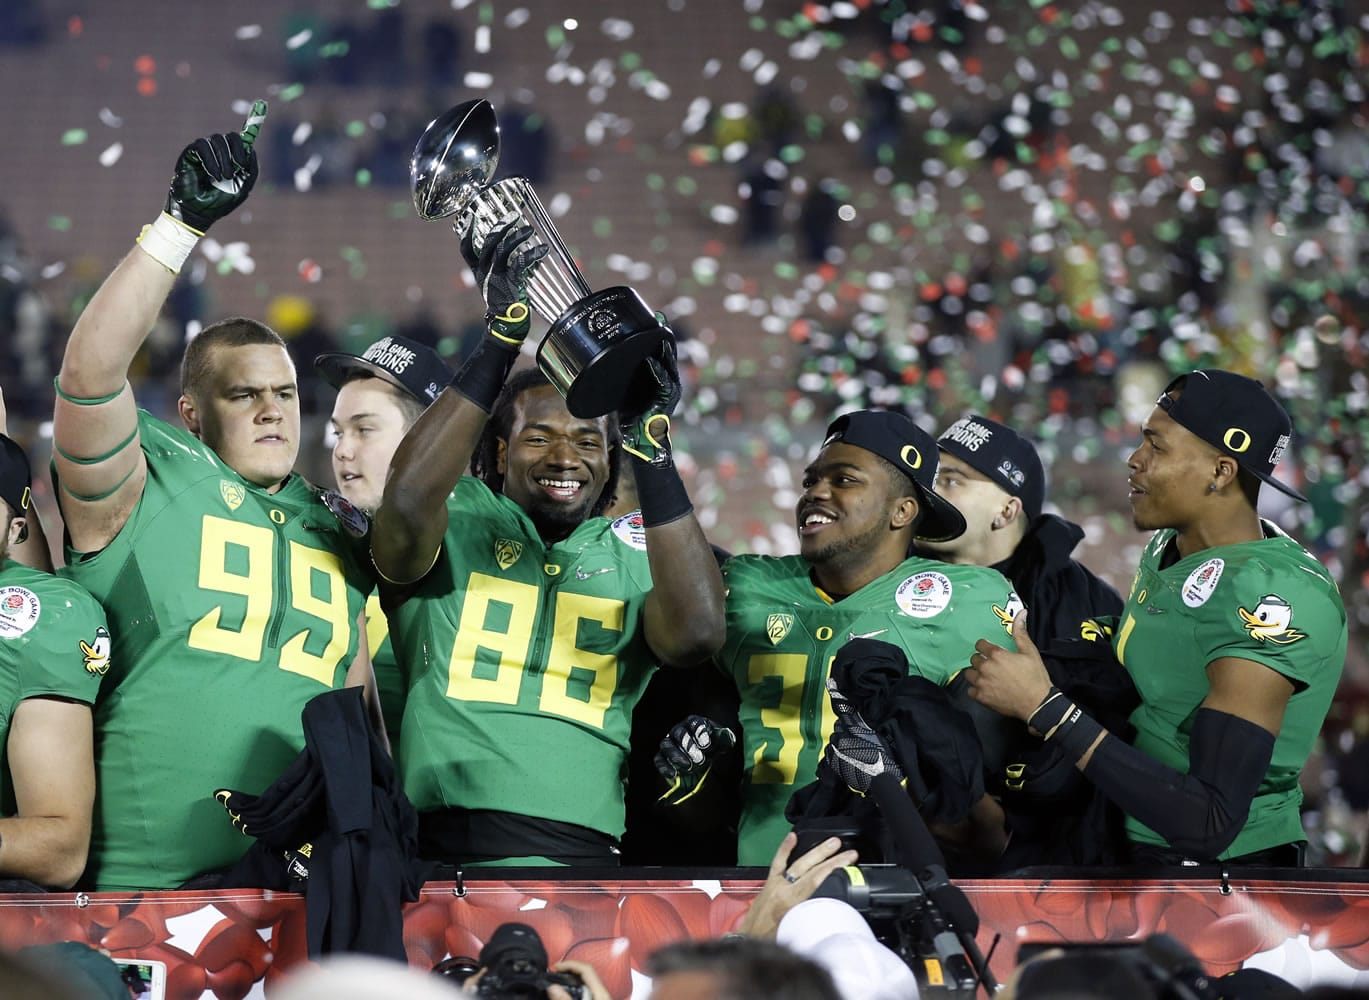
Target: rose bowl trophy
596	339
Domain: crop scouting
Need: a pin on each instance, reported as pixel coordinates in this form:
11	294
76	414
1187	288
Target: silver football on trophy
455	157
596	340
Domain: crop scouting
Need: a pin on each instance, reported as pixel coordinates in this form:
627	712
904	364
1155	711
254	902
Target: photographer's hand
595	985
790	883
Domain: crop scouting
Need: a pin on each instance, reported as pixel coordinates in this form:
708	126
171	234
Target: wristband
482	376
168	241
661	494
1063	723
1049	713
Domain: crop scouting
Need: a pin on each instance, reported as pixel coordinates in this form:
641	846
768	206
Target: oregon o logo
1233	435
277	515
913	463
823	633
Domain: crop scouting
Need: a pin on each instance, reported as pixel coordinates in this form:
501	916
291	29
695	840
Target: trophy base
592	351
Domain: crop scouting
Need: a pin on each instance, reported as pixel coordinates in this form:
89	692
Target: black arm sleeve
1199	813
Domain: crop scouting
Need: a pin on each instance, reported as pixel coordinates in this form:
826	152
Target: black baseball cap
999	452
908	448
1237	416
404	363
15	477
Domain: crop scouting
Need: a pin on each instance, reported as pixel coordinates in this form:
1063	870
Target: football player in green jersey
866	495
1233	633
54	651
381	392
232	591
527	624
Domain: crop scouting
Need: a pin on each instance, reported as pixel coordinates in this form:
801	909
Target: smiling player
865	496
527	624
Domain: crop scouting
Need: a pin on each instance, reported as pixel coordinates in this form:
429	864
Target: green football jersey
782	635
53	642
391	687
229	608
524	662
1268	601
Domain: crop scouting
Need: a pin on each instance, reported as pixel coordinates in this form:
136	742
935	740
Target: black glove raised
215	174
687	753
855	752
644	419
502	267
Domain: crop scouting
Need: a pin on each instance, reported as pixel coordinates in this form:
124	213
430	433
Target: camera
901	916
515	964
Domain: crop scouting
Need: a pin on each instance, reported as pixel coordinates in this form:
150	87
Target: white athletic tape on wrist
168	242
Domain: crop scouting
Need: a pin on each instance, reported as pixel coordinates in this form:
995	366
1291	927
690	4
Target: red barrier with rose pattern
223	944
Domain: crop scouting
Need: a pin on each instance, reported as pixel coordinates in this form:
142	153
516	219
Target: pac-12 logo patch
97	652
924	595
777	626
506	552
19	611
631	529
1202	582
233	493
1271	621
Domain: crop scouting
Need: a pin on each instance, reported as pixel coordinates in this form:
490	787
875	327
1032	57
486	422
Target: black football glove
215	174
645	419
502	267
687	753
855	752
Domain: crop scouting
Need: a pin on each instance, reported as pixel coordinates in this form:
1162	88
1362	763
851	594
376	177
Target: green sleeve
1281	616
52	659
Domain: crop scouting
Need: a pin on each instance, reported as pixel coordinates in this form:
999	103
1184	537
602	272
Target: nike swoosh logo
580	574
866	635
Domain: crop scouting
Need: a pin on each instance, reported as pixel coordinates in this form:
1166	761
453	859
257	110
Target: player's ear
501	455
190	415
1009	512
1225	471
19	530
904	513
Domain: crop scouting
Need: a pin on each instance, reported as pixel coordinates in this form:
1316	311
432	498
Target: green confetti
363	177
74	137
61	223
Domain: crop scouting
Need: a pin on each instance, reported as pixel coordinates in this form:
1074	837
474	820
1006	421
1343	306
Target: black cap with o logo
1236	415
908	448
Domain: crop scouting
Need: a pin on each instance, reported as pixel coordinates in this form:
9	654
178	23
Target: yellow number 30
252	578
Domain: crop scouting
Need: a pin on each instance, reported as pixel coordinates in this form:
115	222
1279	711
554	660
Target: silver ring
791	879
